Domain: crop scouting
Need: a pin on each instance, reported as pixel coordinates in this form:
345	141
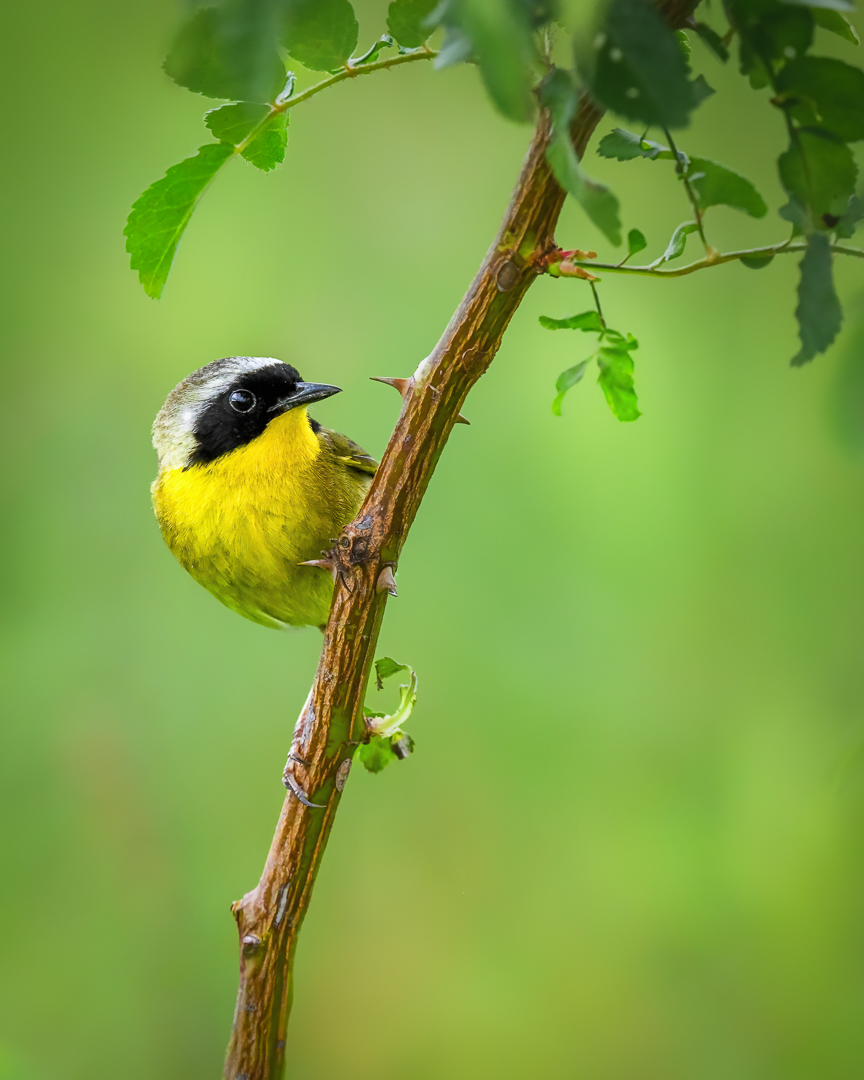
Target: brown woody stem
269	917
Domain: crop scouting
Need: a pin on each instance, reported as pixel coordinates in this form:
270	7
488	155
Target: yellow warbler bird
250	486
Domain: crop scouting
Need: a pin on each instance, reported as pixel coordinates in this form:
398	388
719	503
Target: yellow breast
242	523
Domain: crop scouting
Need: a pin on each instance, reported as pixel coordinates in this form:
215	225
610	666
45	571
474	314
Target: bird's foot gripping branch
635	58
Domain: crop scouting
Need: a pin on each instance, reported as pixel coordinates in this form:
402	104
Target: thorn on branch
460	419
386	581
404	386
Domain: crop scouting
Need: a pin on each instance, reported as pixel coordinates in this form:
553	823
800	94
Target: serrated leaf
406	21
559	95
818	90
717	185
588	320
623	145
234	123
636	67
636	242
833	21
847	226
160	215
713	40
566	381
616	380
267	149
320	34
502	43
228	52
818	173
818	313
683	44
676	245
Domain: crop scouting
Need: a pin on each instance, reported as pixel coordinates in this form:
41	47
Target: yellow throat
241	524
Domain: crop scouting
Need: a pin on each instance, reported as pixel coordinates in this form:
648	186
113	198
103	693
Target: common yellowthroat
250	486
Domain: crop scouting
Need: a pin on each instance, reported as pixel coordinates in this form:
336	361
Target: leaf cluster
614	360
385	740
236	50
822	102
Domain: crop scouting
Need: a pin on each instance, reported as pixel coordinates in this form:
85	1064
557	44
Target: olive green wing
347	452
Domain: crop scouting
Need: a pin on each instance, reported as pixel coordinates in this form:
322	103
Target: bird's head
227	404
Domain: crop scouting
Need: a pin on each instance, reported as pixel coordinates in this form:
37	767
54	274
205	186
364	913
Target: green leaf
160	215
847	226
455	48
616	379
818	173
382	749
502	43
819	313
829	5
683	44
834	21
406	21
566	381
377	754
818	90
636	242
558	93
267	149
717	185
385	724
233	123
713	40
676	244
769	34
636	67
624	146
616	339
756	262
385	667
588	320
320	34
228	52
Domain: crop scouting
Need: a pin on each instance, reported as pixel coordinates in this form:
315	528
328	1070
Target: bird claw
292	785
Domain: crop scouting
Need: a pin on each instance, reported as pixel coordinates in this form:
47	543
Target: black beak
305	393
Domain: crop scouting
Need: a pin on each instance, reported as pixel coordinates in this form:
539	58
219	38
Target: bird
250	487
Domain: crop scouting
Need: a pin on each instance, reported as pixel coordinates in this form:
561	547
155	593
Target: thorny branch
363	560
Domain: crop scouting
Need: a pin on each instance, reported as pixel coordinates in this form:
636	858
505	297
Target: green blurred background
629	845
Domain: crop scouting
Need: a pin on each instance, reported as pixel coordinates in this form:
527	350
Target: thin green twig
691	194
713	260
348	72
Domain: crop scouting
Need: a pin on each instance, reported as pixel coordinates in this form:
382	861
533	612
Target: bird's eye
242	401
